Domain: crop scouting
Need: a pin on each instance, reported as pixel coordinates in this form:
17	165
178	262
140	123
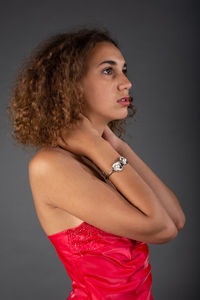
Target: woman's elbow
165	235
180	224
173	229
172	232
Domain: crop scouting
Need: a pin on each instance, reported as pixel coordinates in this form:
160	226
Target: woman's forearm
150	218
164	194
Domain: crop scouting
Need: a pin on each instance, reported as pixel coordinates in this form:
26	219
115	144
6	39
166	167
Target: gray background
159	42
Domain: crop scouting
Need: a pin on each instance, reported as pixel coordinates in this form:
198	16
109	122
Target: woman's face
104	83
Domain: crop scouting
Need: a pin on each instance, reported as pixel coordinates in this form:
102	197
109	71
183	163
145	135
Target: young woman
96	200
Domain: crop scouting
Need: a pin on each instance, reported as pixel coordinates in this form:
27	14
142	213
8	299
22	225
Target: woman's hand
81	137
111	138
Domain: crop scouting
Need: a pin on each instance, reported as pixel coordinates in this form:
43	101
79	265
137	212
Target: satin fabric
102	265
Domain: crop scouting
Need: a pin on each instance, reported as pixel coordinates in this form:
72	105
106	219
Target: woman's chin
123	113
119	116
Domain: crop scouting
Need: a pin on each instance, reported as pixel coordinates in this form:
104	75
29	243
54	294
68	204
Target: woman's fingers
61	142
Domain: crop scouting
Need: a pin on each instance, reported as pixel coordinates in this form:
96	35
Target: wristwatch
118	166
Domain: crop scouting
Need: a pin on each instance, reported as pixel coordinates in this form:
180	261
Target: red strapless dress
102	265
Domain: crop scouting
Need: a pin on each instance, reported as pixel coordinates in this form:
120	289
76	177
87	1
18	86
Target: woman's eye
107	70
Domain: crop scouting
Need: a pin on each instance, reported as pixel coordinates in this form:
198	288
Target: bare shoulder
45	157
44	169
51	165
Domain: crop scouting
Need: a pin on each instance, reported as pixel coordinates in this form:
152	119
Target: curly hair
46	94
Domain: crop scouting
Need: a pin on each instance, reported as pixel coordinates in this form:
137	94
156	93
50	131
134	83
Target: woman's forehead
104	51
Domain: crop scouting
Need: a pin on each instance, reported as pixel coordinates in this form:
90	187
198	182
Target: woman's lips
125	102
127	98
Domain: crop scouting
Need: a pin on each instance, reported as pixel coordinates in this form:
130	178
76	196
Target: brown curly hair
46	94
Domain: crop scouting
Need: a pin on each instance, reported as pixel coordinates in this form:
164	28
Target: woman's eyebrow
111	62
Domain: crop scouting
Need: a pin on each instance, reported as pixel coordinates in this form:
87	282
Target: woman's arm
163	193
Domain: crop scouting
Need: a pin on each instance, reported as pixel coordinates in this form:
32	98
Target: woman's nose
124	83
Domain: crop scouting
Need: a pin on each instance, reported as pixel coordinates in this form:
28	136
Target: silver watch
118	166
